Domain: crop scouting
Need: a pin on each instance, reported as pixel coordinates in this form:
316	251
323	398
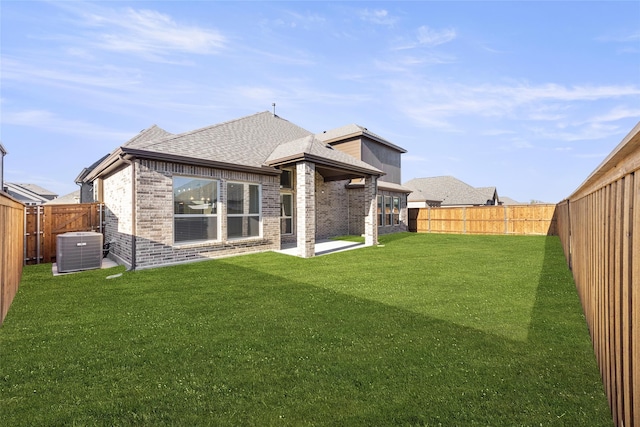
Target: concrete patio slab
323	247
106	263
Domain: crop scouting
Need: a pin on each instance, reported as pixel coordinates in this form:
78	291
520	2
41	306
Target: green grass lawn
427	330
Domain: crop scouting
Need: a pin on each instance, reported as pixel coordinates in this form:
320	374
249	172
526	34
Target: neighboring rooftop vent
79	251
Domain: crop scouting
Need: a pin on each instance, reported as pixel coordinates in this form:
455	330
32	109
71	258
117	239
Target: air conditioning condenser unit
79	251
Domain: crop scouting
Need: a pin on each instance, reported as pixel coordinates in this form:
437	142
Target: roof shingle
449	190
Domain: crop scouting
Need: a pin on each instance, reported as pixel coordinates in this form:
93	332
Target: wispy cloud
431	37
51	122
378	16
147	33
615	114
621	37
426	37
306	21
71	74
580	132
497	132
294	92
445	106
626	41
152	32
491	99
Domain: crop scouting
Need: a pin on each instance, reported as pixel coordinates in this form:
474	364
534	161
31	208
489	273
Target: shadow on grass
559	335
227	344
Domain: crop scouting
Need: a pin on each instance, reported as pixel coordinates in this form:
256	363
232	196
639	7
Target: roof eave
123	154
368	135
130	153
109	164
323	161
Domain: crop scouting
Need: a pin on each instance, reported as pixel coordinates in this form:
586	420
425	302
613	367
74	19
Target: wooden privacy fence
516	219
11	250
44	223
599	226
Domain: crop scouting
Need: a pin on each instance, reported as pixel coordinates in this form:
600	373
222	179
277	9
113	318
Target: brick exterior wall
154	244
370	219
322	210
306	208
357	207
357	211
341	211
332	208
118	229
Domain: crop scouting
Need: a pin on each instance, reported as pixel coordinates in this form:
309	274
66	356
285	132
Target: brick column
371	218
306	208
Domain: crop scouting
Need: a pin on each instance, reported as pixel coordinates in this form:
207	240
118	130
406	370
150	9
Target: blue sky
529	97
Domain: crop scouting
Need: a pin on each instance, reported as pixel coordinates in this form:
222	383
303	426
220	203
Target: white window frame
290	217
388	210
245	214
215	205
395	215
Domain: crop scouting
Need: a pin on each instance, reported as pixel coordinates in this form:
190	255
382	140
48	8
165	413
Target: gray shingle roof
29	192
246	141
353	129
312	146
67	199
147	135
509	201
36	189
487	192
449	190
422	195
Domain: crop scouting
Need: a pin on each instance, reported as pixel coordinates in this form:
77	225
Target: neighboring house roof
254	143
29	192
449	190
509	201
67	199
489	193
422	195
354	130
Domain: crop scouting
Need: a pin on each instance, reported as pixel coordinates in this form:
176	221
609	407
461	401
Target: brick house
247	185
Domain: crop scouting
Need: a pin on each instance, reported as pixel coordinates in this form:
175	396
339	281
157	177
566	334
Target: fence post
100	208
464	220
38	234
506	220
24	258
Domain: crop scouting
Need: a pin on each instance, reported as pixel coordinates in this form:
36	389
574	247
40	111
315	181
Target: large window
243	210
396	211
195	209
286	179
388	211
286	213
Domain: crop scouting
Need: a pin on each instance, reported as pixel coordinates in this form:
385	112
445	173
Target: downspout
133	210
